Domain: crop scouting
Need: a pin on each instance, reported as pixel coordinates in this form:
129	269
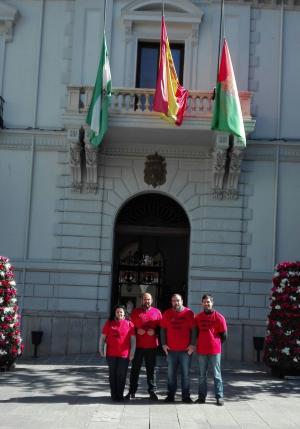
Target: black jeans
149	356
117	376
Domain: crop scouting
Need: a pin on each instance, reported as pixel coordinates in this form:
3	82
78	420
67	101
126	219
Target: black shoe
153	396
220	402
129	396
187	400
200	400
169	399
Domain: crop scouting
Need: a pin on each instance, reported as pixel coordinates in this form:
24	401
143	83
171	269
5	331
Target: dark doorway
151	251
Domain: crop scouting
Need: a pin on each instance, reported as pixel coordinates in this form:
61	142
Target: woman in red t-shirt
117	343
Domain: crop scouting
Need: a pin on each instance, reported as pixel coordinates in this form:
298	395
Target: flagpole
163	8
221	33
104	15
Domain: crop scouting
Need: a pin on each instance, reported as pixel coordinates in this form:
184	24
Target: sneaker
153	396
169	399
220	402
187	400
200	400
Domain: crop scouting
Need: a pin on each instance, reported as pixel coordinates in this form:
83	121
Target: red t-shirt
118	333
178	325
210	326
146	319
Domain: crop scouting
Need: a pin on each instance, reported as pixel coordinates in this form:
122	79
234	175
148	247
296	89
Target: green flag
227	114
97	116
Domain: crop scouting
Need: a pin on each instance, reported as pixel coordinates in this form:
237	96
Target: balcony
133	107
134	128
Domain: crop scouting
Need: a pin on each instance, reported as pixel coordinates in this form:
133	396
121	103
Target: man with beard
212	332
146	320
178	339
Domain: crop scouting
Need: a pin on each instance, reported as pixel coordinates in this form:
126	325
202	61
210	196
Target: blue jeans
215	363
183	360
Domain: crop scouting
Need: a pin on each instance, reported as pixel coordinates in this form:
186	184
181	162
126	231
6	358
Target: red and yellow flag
170	97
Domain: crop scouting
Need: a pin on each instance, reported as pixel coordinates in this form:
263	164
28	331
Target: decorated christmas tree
10	340
282	343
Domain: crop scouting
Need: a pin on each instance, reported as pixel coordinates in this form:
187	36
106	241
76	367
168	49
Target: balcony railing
1	112
139	101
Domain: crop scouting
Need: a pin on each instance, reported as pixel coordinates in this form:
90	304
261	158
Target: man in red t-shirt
212	331
146	320
178	339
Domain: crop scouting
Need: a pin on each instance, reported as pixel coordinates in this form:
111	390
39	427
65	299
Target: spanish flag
170	97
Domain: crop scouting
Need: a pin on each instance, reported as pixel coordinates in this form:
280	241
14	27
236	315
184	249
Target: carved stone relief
155	172
226	169
91	163
83	161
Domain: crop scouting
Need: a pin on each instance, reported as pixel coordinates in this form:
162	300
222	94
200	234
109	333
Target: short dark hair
207	296
113	311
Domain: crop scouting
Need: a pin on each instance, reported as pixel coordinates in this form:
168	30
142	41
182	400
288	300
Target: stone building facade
213	219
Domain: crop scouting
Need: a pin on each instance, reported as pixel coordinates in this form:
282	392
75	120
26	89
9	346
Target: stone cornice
259	4
263	150
137	150
23	140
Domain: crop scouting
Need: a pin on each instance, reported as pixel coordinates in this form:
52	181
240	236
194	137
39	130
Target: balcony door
147	63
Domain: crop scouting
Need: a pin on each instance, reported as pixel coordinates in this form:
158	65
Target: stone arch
151	226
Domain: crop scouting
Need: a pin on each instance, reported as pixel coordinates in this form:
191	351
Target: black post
258	343
36	339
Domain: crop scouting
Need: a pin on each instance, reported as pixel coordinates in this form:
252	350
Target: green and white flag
97	116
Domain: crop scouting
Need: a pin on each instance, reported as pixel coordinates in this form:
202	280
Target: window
147	63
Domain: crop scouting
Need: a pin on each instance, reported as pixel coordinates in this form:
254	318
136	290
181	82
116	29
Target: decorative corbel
76	136
234	169
219	163
91	162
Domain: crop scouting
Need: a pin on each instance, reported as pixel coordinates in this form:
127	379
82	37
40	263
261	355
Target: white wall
87	39
14	179
20	76
43	219
262	176
51	88
290	76
267	73
288	247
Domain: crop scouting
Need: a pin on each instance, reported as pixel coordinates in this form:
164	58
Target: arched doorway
151	251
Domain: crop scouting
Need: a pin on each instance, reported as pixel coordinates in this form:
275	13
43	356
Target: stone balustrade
139	101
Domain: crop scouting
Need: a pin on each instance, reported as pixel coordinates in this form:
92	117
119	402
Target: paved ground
72	393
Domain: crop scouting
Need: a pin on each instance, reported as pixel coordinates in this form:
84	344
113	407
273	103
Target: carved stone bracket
75	166
236	156
227	161
218	167
91	162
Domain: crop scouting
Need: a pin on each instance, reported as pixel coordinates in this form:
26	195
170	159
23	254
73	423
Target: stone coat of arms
155	172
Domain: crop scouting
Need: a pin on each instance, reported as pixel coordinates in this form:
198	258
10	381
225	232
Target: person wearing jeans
178	338
212	332
117	343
